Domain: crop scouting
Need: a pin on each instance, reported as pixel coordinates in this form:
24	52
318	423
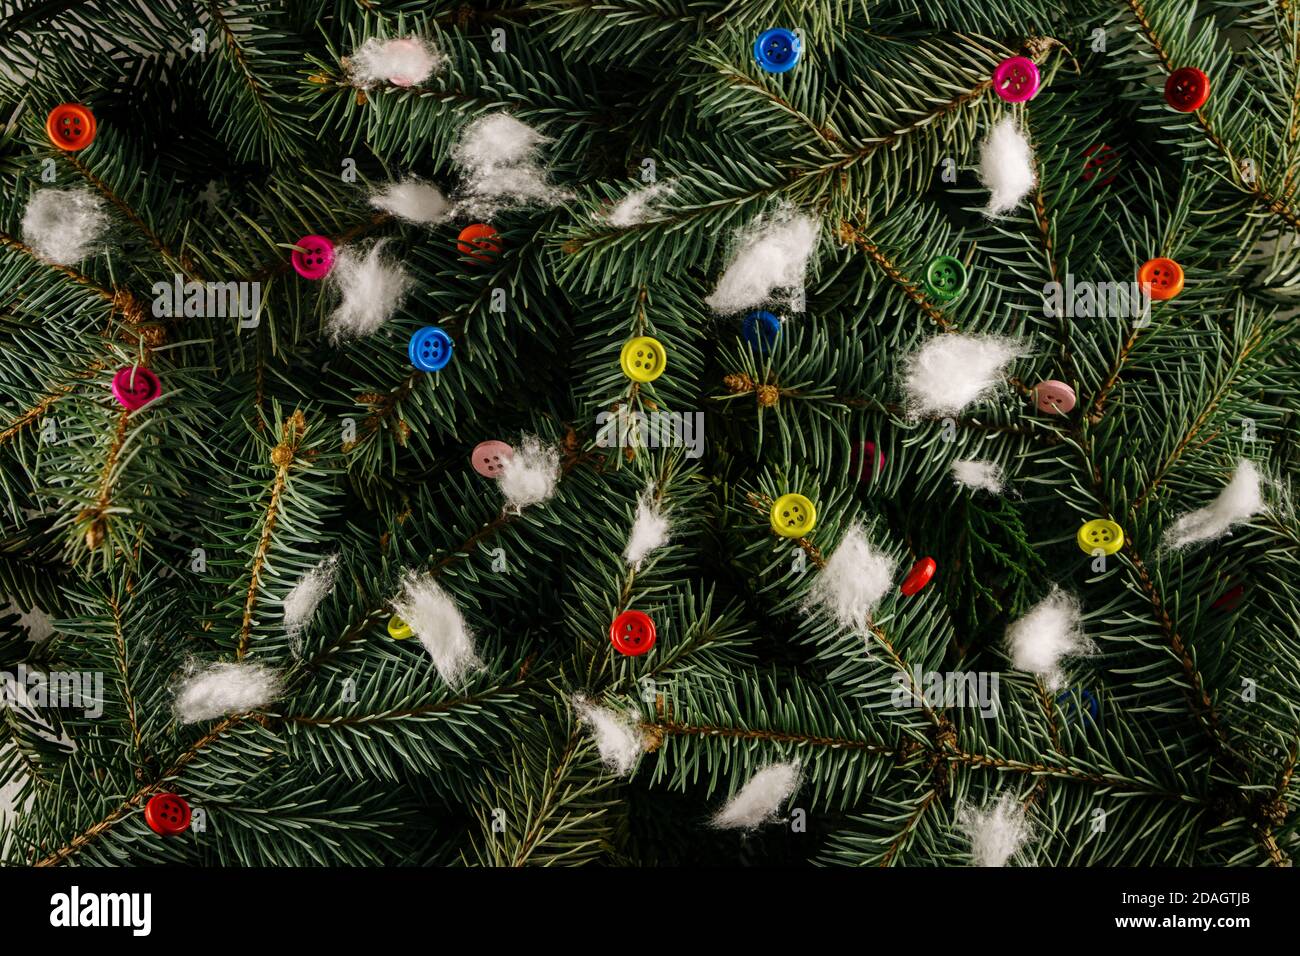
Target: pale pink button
316	258
1016	79
406	49
490	457
1053	397
135	387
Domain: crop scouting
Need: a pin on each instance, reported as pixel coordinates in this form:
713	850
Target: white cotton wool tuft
64	226
853	582
771	253
759	801
1239	501
497	156
1006	167
413	200
953	370
225	688
649	530
304	597
997	832
530	477
638	206
978	475
402	61
431	613
371	286
1050	631
618	738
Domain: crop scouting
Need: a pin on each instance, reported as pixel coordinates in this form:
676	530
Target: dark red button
632	633
167	814
70	126
868	461
479	241
918	577
1229	599
1187	89
1097	159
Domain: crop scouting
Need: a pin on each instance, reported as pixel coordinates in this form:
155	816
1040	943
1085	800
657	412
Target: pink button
316	258
1016	79
135	387
1053	397
489	457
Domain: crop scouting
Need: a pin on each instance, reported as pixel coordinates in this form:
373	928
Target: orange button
1162	278
70	126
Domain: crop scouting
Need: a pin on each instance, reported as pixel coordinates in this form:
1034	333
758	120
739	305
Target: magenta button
1016	79
316	258
135	387
490	457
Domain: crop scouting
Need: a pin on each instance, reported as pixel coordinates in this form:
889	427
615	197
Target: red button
135	387
1162	278
489	457
1053	397
632	633
868	461
918	577
70	126
167	814
1187	89
479	241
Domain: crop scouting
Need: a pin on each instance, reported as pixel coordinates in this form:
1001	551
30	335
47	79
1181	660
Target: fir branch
1277	206
283	456
849	234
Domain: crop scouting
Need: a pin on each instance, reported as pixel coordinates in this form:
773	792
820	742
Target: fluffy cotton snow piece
224	688
978	475
855	579
649	530
371	286
1050	631
302	600
1006	167
759	801
997	832
530	477
1239	501
497	156
402	61
64	226
952	370
638	206
431	613
413	200
618	739
772	253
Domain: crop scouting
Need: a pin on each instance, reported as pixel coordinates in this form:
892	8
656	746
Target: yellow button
1100	535
643	359
398	629
793	516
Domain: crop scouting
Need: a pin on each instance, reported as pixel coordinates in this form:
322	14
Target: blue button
777	50
1066	702
761	330
430	349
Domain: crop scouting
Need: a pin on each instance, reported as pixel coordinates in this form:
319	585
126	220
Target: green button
945	277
